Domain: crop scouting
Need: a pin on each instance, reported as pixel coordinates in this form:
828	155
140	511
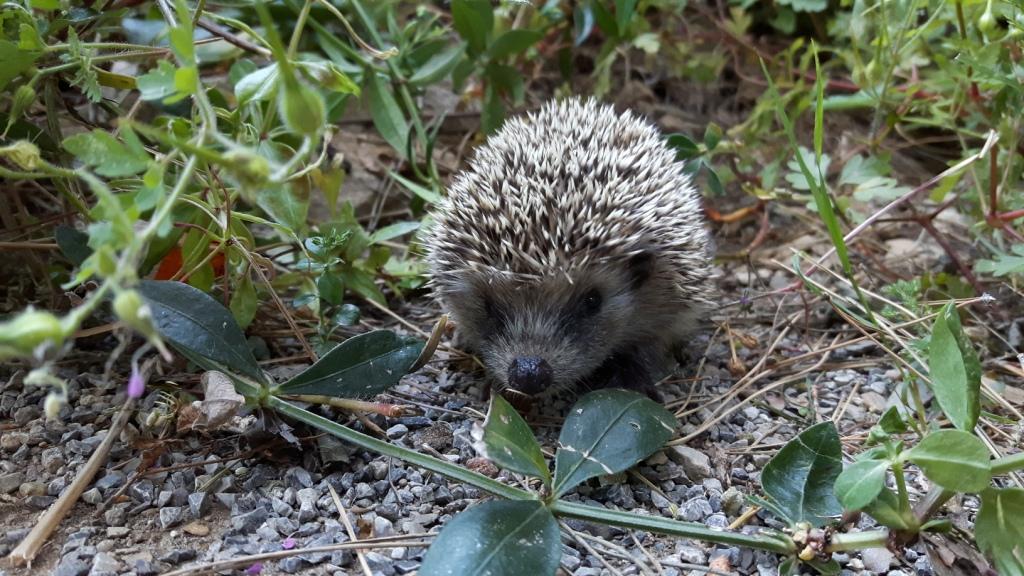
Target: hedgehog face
544	335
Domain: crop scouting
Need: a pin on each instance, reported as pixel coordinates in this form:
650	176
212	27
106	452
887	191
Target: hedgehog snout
530	374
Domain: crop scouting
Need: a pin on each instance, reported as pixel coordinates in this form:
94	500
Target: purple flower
288	543
254	569
136	385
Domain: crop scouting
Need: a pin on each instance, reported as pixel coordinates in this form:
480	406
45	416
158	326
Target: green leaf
287	204
392	231
999	530
713	181
860	483
362	283
387	116
302	108
608	431
885	509
624	10
513	42
15	61
329	76
955	370
198	326
158	84
73	244
330	288
106	154
507	440
438	66
712	136
953	459
800	478
243	301
428	195
892	422
805	5
496	538
684	146
473	20
360	367
347	315
257	85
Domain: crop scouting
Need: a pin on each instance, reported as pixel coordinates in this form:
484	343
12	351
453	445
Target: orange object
170	265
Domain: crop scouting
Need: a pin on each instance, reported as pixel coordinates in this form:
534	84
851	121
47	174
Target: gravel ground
212	497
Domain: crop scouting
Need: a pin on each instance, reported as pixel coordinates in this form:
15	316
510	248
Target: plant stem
858	540
1008	464
772	542
901	486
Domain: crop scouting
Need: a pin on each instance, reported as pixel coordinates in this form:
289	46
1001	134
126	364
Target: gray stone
118	532
397	431
691	555
117	515
142	491
298	478
92	496
39	502
171	517
383	527
198	503
658	500
248	522
291	564
178	555
10	482
72	565
52	459
26	414
695	463
105	564
696	509
112	479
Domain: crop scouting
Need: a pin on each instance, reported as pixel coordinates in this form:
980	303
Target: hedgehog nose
530	374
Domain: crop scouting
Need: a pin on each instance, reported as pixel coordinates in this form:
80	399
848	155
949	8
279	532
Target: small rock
691	555
876	559
397	431
732	501
171	517
249	521
105	563
32	489
11	441
26	414
118	532
383	527
659	500
52	459
72	565
695	463
10	482
178	555
873	401
39	502
92	496
116	515
198	503
143	491
298	478
696	509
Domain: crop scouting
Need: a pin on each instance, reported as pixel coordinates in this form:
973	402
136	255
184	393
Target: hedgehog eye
592	302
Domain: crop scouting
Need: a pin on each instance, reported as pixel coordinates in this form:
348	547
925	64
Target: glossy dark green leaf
72	243
360	367
330	288
473	20
713	181
513	42
496	538
953	459
800	478
955	370
199	326
506	439
860	483
608	431
999	529
387	115
684	146
347	315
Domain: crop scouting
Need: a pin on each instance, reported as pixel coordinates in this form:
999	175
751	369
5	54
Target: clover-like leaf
506	439
955	370
800	478
860	483
360	367
608	431
999	530
496	538
953	459
107	154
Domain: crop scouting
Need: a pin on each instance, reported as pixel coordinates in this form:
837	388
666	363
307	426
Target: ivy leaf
608	431
107	154
800	478
507	440
496	538
954	369
953	459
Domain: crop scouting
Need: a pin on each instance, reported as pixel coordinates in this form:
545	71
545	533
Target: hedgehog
572	253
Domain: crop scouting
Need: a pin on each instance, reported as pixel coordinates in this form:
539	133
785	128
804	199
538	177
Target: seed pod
302	108
23	154
130	308
22	335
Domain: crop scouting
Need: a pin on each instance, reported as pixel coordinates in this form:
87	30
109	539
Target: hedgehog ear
640	267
